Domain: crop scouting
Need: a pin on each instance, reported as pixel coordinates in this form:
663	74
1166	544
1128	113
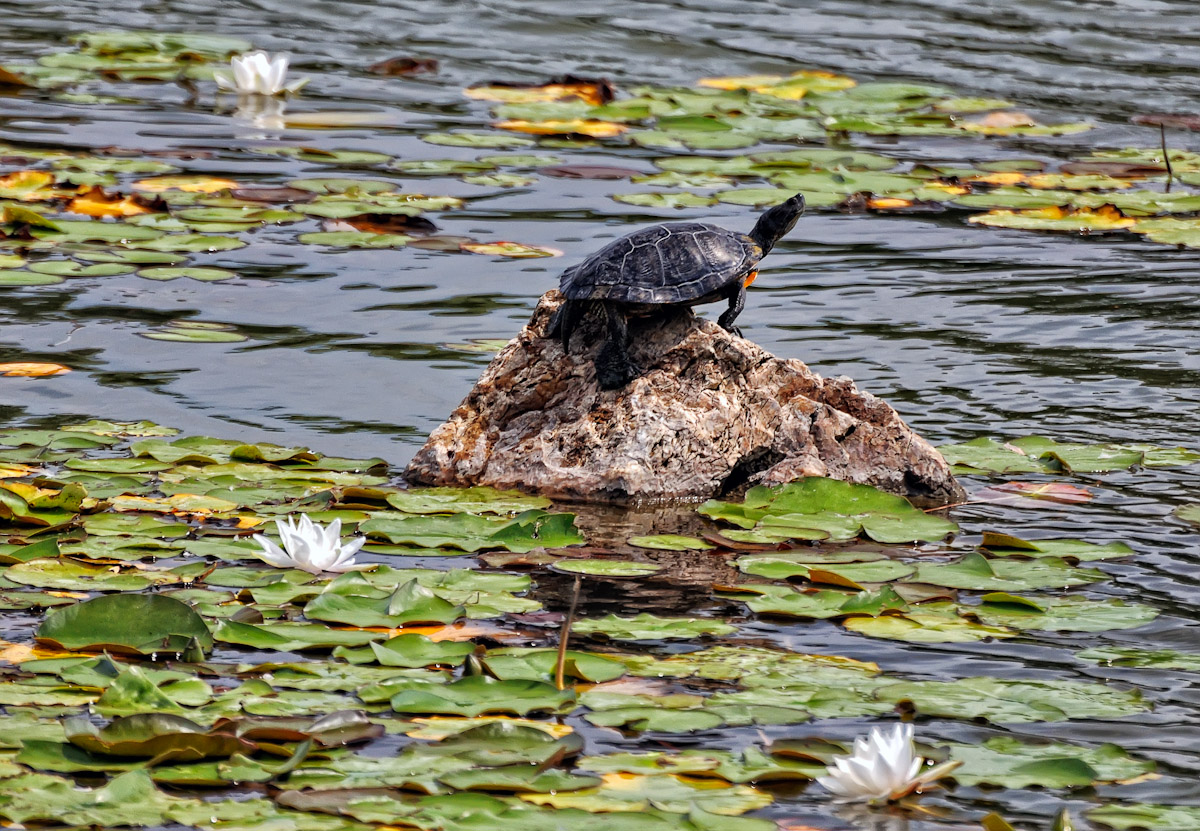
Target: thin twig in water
564	635
1162	132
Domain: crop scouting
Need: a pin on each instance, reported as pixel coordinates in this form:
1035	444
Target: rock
712	413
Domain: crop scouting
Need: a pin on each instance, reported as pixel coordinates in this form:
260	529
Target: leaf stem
1162	132
564	635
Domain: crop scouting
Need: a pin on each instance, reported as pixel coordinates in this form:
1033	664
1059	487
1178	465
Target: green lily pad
916	626
1004	701
343	186
12	278
1147	816
1010	763
633	792
1080	458
410	650
408	604
76	576
539	665
476	695
791	564
478	500
500	180
607	568
162	737
838	509
648	627
69	268
350	158
784	600
194	331
1006	545
291	637
643	714
133	692
974	571
666	200
1170	231
127	623
207	275
1148	658
1061	614
671	542
354	239
469	139
129	799
751	765
524	532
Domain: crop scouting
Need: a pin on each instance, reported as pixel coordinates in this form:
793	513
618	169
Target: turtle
668	265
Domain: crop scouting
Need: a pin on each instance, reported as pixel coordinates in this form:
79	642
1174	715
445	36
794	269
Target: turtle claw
614	370
615	377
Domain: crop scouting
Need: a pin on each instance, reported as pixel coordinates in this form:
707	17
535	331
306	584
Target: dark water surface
966	331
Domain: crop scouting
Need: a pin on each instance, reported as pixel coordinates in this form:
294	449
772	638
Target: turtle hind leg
564	320
614	367
737	302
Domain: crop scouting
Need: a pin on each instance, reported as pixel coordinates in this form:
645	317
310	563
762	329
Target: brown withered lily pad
1118	170
274	196
592	91
1182	121
403	66
391	224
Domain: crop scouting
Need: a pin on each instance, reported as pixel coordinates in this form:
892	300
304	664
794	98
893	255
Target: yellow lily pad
564	127
1083	221
504	248
187	184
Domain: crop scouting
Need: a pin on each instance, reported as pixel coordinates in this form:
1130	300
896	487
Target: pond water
967	331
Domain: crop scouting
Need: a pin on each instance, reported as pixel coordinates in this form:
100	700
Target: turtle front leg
614	367
737	302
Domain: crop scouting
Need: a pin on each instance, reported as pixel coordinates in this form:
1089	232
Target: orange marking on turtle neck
750	278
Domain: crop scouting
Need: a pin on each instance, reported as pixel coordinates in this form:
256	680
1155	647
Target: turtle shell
677	262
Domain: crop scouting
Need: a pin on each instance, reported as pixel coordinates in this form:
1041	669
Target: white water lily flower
308	546
883	766
258	74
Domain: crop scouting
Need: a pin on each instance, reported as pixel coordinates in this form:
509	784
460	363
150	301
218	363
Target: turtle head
776	222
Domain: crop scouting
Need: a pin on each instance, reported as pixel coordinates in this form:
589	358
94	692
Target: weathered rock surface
713	412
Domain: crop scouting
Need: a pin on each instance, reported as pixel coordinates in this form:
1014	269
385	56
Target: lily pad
77	576
838	510
1010	763
607	568
479	694
480	500
1061	614
291	637
1004	701
648	627
1005	545
524	532
678	794
1116	656
974	571
1147	816
915	626
671	542
470	139
791	564
410	650
540	664
207	275
408	604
